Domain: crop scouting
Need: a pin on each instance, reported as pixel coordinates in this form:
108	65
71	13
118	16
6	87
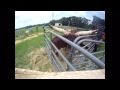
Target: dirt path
28	38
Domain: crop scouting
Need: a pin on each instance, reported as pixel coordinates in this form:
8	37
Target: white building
58	24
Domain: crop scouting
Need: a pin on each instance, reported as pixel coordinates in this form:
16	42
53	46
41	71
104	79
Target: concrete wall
31	74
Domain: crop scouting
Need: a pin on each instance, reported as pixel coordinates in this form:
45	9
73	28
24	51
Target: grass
101	47
22	49
28	55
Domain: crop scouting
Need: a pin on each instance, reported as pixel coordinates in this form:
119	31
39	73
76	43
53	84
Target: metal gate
78	57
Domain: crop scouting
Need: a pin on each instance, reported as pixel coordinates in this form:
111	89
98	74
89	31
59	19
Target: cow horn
85	32
60	30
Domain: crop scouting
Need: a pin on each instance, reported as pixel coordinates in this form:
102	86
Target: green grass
22	49
101	47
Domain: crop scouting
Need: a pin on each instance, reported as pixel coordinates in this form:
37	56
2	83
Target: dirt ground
28	38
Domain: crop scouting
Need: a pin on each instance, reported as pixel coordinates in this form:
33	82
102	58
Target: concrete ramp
31	74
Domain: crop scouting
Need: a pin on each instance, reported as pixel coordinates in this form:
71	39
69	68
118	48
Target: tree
98	21
80	22
53	22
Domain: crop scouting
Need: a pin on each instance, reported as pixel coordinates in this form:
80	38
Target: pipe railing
83	51
63	57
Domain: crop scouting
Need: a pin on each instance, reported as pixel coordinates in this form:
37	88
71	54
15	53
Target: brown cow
70	35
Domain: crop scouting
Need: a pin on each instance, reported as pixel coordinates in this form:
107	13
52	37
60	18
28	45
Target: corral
73	60
86	61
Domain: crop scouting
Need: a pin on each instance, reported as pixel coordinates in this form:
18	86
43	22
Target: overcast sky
26	18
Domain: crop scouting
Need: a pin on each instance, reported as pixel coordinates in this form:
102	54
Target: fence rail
55	60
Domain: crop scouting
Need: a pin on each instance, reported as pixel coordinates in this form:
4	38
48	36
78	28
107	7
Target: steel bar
68	63
86	53
81	37
58	61
87	40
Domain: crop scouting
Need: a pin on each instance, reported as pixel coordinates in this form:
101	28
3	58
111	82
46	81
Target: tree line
80	22
73	21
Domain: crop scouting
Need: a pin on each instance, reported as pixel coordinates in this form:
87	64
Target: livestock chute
78	57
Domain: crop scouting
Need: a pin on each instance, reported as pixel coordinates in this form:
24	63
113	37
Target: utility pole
71	23
51	33
52	15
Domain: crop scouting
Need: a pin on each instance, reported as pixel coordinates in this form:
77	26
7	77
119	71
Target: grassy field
29	54
20	34
22	49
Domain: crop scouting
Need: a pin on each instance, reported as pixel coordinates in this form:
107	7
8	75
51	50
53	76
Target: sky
26	18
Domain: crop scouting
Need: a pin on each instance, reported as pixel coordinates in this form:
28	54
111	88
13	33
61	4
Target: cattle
61	44
70	35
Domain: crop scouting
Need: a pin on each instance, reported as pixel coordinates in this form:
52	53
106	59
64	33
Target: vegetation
29	50
80	22
22	49
20	34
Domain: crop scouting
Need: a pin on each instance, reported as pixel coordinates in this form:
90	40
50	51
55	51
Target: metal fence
76	53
